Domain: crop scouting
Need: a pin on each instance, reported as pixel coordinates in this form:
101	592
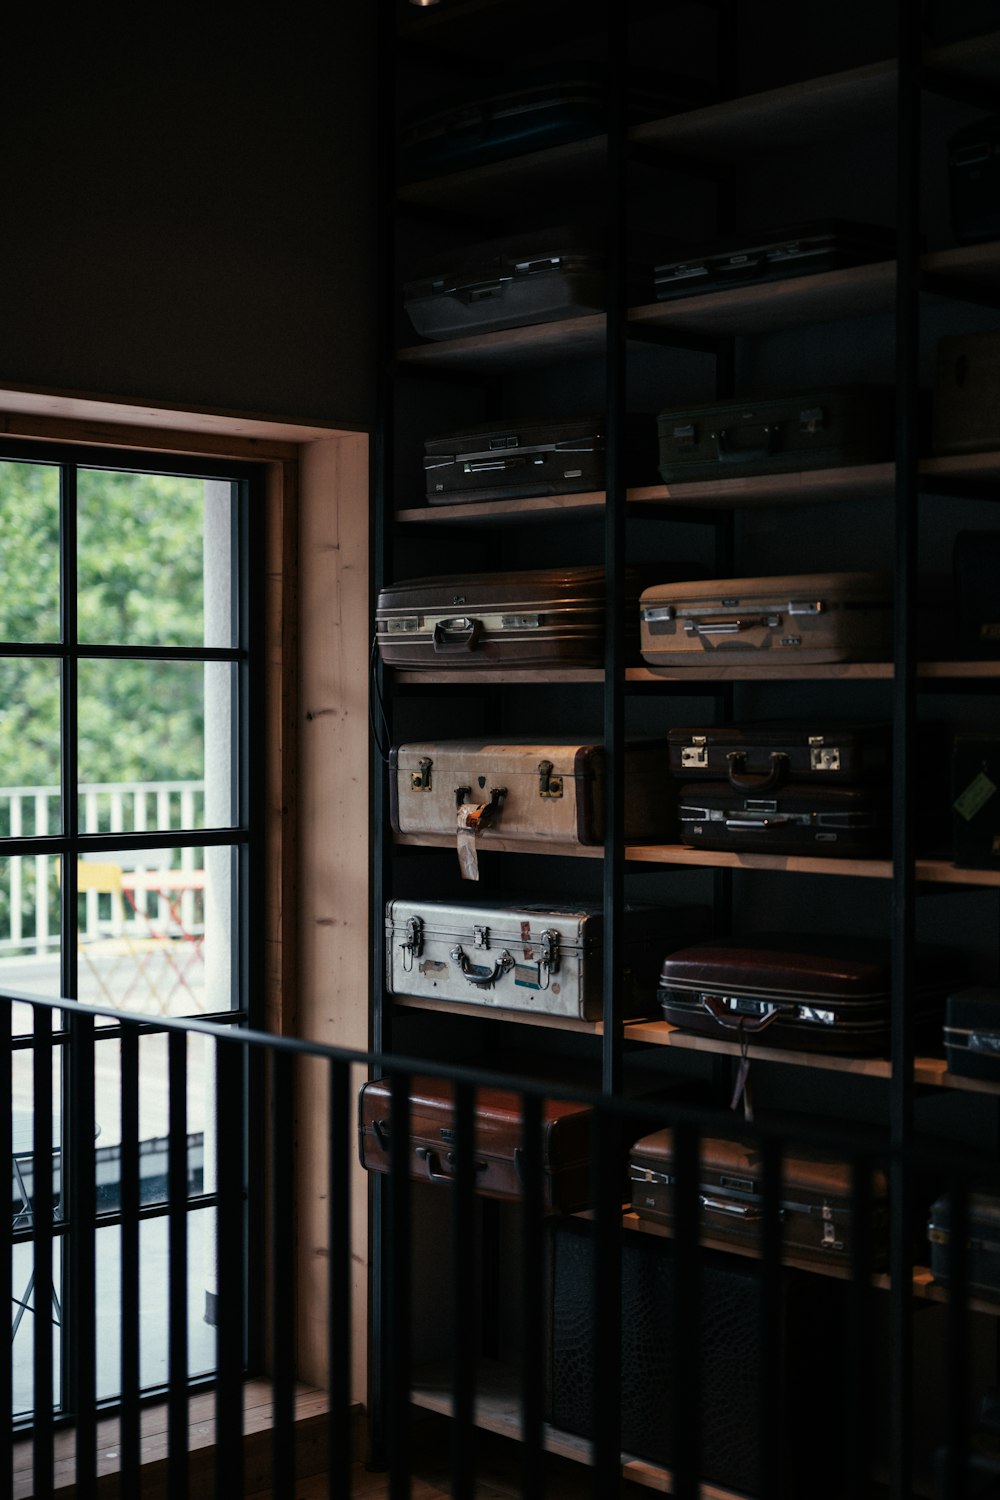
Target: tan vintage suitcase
801	617
514	788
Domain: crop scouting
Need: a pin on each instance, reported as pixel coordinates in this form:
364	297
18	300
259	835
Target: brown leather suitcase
809	992
565	1140
805	618
816	1221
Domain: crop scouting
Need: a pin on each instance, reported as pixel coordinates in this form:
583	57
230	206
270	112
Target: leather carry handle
456	635
727	454
433	1164
478	974
746	782
719	1013
748	1212
729	624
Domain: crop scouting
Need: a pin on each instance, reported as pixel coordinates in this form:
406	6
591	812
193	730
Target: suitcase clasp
823	757
550	953
420	780
413	944
548	785
694	757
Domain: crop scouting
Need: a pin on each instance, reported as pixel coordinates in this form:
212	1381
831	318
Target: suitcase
845	821
507	283
517	459
976	571
565	1140
972	1032
530	111
760	756
974	181
966	405
803	617
539	958
733	1381
545	617
514	788
774	255
809	992
816	1219
975	777
817	429
982	1257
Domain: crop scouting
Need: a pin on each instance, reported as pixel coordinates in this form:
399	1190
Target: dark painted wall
187	217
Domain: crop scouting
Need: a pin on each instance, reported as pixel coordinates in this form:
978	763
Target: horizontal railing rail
599	1304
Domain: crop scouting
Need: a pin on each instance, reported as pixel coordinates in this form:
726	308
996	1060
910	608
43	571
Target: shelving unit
870	103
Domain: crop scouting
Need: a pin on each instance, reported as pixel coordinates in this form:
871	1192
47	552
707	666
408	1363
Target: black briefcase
972	1032
974	181
976	568
832	821
775	255
761	755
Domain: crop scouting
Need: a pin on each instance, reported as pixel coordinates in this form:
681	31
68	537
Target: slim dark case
974	181
758	756
834	821
972	1032
775	255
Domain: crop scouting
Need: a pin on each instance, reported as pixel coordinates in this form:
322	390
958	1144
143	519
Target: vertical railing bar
774	1434
464	1342
82	1292
6	1247
956	1485
855	1371
282	1275
533	1316
129	1201
42	1206
230	1270
607	1303
400	1239
177	1292
339	1289
685	1355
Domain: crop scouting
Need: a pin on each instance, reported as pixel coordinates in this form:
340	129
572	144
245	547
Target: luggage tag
472	816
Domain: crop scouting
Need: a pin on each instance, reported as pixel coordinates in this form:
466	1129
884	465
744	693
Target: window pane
23	1185
156	930
29	556
29	932
154	1116
154	559
155	745
29	747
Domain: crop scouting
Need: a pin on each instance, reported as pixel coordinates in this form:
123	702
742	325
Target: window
128	832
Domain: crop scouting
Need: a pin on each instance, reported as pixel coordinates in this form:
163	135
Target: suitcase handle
777	775
729	455
433	1161
478	974
458	634
745	1211
719	1013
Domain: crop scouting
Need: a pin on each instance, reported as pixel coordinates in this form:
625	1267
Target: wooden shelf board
972	57
497	675
492	845
497	1409
854	671
490	187
933	871
512	348
840	1272
663	1034
821	297
968	467
796	115
979	262
537	507
480	1012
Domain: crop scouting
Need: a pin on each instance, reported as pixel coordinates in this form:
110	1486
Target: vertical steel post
231	1275
42	1208
128	1202
533	1245
177	1288
282	1250
339	1285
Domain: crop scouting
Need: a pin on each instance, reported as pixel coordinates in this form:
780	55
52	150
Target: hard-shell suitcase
816	1219
540	958
801	617
539	617
759	756
516	788
975	779
498	1140
810	992
507	283
774	255
974	181
807	1313
976	570
965	411
530	111
982	1247
540	456
829	428
844	821
972	1032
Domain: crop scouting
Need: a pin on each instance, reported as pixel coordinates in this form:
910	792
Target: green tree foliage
140	582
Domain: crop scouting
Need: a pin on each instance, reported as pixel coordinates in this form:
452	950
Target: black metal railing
733	1361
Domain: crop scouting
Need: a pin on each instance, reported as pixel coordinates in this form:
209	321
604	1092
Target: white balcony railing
29	886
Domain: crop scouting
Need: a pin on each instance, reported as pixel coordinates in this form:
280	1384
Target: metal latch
694	757
548	785
806	606
420	780
412	945
520	622
811	419
686	435
823	757
659	612
402	624
480	937
550	950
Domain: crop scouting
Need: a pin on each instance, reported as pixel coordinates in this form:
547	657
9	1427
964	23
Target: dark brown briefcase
760	756
810	992
816	1221
982	1250
972	1032
498	1142
777	434
835	821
